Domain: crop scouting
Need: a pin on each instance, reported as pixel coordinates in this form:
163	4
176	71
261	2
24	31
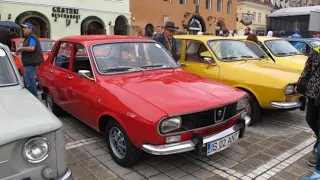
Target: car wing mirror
85	74
182	64
209	61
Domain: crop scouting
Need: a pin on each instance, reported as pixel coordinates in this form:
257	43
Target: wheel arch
250	92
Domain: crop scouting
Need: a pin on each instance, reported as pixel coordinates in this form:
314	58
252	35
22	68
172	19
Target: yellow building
252	13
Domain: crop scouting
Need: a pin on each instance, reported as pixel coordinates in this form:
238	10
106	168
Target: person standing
253	37
167	40
31	56
157	32
309	85
247	31
296	34
225	33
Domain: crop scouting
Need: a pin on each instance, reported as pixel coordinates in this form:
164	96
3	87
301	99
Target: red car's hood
177	91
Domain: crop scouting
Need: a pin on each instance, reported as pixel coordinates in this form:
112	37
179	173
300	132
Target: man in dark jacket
31	56
167	40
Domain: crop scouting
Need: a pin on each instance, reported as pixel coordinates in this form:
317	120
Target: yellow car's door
196	58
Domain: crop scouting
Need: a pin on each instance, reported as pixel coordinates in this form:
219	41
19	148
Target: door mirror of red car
85	74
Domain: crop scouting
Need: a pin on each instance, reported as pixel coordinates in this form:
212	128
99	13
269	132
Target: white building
75	17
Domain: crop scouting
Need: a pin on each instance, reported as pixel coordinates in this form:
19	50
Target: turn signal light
173	139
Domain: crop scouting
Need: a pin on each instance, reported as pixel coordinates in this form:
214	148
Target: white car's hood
22	116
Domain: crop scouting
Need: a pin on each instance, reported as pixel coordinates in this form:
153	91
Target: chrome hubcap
117	142
49	101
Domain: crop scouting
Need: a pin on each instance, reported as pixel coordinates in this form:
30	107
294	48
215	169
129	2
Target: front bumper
197	143
287	105
66	176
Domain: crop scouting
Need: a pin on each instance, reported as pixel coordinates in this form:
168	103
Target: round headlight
36	150
170	124
242	104
289	90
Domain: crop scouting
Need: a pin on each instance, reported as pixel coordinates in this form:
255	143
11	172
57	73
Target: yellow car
230	61
280	51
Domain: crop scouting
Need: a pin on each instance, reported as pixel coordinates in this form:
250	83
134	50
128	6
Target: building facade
253	14
190	16
76	17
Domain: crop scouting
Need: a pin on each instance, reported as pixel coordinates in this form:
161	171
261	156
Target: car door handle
50	71
68	77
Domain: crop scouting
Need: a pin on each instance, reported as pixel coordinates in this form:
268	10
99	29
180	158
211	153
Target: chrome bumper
189	145
66	175
286	105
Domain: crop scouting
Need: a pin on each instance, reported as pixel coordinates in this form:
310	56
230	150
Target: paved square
278	147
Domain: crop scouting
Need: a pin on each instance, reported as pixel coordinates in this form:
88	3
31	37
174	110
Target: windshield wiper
293	53
247	56
153	66
230	58
121	68
281	53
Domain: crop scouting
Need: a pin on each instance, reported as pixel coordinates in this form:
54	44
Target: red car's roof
91	39
40	39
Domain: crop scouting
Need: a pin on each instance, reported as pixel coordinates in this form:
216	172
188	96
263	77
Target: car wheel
51	105
120	146
254	110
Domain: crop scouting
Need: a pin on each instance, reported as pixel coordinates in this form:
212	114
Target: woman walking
309	85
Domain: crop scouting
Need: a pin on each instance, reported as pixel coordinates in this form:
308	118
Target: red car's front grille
208	117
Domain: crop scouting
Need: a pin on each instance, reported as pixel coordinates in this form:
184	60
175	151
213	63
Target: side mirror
85	74
209	61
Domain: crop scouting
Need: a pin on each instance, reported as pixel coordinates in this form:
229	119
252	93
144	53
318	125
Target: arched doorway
121	26
92	25
149	30
196	24
40	22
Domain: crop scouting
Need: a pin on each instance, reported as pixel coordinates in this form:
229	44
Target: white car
31	139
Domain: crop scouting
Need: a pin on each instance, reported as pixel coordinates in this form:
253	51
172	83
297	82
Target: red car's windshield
131	56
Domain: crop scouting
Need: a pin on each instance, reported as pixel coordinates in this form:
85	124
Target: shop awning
294	11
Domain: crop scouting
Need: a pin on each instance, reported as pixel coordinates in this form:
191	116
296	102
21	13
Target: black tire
255	110
57	110
131	156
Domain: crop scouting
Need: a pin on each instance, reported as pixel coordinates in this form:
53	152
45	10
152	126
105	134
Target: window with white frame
196	2
219	5
167	0
229	7
208	4
259	17
183	2
254	16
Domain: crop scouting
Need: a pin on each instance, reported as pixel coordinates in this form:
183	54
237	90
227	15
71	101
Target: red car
46	46
132	91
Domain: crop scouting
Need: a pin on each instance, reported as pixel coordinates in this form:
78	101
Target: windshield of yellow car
7	73
281	48
231	50
125	57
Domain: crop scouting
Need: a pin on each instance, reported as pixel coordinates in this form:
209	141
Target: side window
81	59
196	51
179	45
62	59
255	48
263	48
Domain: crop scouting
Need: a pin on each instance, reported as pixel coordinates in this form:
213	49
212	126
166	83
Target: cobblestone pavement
278	147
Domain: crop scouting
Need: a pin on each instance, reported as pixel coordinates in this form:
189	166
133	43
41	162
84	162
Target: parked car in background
304	45
31	138
281	52
230	61
131	90
46	46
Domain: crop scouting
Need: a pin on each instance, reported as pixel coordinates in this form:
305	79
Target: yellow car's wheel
254	110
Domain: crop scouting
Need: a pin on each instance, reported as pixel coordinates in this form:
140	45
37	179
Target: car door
193	54
82	91
60	74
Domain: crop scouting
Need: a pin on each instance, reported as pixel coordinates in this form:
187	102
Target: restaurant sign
67	13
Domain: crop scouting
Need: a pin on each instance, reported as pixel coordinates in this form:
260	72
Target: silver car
31	139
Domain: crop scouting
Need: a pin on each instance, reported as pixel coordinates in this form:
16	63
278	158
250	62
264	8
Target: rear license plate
221	144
